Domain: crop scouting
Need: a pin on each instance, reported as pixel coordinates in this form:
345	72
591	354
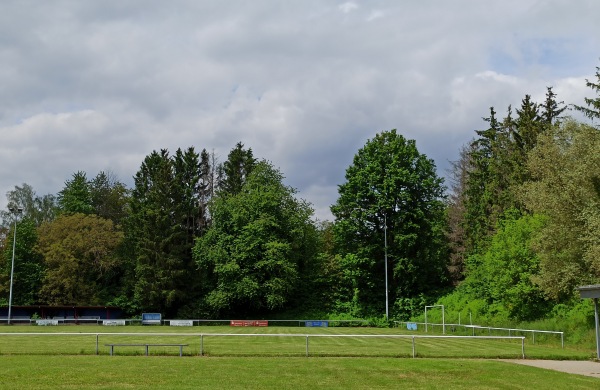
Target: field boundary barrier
473	328
202	336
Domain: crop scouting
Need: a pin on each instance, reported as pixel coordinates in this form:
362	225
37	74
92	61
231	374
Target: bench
112	346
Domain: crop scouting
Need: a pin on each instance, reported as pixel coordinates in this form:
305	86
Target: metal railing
203	336
473	328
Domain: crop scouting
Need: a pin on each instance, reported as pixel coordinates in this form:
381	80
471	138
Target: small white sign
181	322
113	322
46	322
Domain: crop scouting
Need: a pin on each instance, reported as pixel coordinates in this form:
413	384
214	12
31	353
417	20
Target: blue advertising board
311	324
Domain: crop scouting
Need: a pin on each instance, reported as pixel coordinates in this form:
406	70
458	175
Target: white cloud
93	86
375	14
348	7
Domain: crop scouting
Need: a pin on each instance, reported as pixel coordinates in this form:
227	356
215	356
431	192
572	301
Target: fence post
96	344
533	334
523	347
306	345
201	345
562	339
413	346
443	320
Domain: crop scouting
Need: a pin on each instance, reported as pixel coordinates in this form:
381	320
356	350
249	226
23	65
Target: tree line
524	211
513	236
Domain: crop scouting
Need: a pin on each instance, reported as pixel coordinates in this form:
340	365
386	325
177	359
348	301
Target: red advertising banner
249	323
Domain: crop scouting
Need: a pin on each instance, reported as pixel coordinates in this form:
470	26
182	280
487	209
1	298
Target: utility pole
15	211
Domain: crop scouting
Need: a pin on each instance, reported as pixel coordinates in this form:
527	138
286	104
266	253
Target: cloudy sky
98	85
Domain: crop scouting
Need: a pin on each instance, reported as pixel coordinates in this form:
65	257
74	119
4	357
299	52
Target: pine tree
154	232
109	197
76	197
551	109
592	110
235	171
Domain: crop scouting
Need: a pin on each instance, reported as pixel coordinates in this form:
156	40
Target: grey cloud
99	85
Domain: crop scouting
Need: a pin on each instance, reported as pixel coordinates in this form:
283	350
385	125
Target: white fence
201	337
472	329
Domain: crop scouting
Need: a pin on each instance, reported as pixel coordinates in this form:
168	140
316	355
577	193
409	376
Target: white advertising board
113	322
181	322
46	322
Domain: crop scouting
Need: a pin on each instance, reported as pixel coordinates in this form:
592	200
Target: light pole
387	317
15	211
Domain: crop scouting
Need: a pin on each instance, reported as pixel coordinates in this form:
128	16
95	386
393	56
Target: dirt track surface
587	368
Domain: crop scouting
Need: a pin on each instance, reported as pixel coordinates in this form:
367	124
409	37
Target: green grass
81	340
126	372
68	360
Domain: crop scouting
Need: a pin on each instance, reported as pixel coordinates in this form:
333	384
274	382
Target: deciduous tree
28	269
36	208
391	186
79	253
565	187
258	242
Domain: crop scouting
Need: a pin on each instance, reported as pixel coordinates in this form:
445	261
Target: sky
98	85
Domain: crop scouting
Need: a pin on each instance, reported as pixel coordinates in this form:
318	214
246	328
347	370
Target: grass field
68	360
126	372
283	341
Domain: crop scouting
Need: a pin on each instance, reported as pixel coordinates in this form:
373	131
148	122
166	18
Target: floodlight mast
15	211
387	317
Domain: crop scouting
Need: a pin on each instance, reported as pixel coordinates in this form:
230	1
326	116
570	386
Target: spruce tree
236	169
592	111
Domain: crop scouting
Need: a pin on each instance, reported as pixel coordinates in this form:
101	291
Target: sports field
222	341
68	360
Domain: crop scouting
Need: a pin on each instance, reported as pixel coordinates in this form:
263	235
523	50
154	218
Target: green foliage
503	275
565	187
165	218
592	110
127	305
79	253
109	197
498	166
36	208
390	190
379	322
29	268
235	171
551	109
536	163
407	307
104	196
499	286
251	256
456	232
76	197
